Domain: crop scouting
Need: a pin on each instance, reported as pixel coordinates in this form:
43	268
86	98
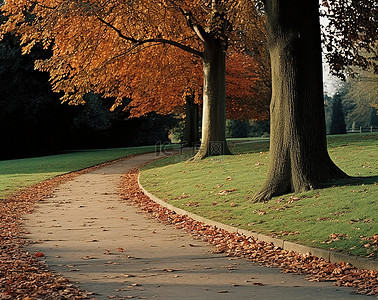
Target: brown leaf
39	254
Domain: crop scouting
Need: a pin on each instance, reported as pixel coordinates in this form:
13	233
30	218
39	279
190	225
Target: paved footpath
106	246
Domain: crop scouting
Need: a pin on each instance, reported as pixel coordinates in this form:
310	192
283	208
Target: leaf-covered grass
342	217
17	174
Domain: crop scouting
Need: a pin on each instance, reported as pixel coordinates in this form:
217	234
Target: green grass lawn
17	174
221	188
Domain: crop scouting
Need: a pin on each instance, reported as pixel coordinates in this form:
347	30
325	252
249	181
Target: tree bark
191	129
299	159
213	140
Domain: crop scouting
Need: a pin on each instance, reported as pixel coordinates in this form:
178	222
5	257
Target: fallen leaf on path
88	257
111	263
128	275
39	254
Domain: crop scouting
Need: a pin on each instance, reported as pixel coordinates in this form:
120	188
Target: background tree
350	35
33	122
358	95
29	122
259	128
178	88
337	125
191	133
328	111
237	129
247	128
168	84
359	98
95	43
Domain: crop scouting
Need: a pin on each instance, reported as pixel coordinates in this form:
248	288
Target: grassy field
17	174
342	217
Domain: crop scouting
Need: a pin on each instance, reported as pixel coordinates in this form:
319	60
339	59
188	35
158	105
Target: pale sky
331	83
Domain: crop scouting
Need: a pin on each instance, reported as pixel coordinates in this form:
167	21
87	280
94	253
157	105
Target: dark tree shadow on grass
368	180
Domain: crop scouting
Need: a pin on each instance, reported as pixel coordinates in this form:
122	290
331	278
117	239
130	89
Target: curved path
112	249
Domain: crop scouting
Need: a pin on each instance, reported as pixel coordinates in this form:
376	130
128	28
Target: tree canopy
130	49
350	36
165	82
95	43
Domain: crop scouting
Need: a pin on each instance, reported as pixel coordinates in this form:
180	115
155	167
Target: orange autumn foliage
141	50
164	83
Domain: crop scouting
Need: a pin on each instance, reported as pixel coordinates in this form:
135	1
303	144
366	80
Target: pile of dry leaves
315	269
21	275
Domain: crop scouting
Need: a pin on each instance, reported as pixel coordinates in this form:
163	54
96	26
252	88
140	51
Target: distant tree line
354	105
34	122
247	128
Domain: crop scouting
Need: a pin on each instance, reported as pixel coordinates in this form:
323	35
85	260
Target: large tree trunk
299	160
191	129
213	140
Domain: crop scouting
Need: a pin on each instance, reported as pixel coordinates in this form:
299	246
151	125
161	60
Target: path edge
331	256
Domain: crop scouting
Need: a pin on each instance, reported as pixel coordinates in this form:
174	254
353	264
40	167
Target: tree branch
176	44
42	5
193	24
152	40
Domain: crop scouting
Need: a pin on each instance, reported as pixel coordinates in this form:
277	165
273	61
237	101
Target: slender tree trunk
299	160
191	129
213	140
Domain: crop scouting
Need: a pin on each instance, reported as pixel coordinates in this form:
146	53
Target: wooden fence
363	129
